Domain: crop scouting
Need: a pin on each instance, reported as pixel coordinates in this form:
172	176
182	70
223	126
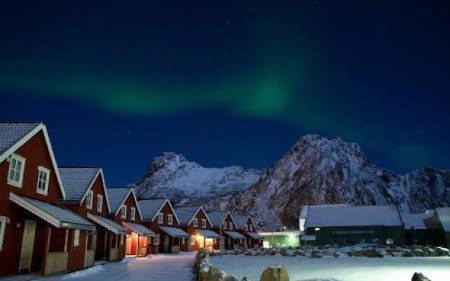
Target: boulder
246	279
201	255
339	254
371	253
419	277
442	252
277	273
229	278
300	253
315	254
214	274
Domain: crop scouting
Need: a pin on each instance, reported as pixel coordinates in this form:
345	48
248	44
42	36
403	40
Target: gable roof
14	135
79	180
118	196
416	221
241	220
353	216
444	217
187	214
216	218
151	207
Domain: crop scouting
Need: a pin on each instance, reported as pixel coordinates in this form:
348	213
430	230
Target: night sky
118	83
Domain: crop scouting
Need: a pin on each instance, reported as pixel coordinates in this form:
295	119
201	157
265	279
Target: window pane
19	166
17	177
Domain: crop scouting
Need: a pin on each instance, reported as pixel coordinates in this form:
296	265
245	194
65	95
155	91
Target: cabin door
26	252
166	244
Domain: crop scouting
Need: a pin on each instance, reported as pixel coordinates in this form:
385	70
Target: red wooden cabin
125	211
223	223
87	196
161	218
246	227
194	221
36	233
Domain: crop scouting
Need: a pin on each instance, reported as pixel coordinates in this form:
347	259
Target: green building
281	239
344	224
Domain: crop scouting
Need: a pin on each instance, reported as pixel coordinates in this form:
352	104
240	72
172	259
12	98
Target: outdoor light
317	229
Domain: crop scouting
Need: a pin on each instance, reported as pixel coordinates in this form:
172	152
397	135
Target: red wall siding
129	202
36	153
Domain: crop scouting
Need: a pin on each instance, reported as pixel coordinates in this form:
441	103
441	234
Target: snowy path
170	267
338	269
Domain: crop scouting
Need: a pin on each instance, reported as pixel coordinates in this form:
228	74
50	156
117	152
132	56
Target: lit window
43	179
76	238
160	218
16	168
195	222
133	213
2	230
203	223
99	203
123	212
156	240
169	219
230	225
89	197
317	229
192	239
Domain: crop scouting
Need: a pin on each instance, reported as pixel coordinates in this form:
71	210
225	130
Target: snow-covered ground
176	267
342	269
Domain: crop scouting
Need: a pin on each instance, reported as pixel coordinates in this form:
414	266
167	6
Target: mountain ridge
315	170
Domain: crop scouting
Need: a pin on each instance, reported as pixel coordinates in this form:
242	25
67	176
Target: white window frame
160	218
246	227
89	199
156	240
3	221
195	222
251	227
169	219
133	213
17	158
123	212
76	238
224	225
99	203
230	225
203	223
46	183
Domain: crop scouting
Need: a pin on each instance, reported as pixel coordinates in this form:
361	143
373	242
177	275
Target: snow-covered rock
315	170
187	183
318	170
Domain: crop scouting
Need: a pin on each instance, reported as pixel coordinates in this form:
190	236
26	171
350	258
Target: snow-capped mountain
317	170
187	183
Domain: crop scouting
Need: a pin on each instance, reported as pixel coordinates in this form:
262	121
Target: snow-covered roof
208	233
234	234
353	216
116	197
185	214
77	180
108	224
11	133
240	220
255	235
444	217
174	232
305	208
150	208
54	215
139	229
415	221
216	218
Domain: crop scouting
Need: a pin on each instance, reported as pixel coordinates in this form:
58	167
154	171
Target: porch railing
89	258
56	262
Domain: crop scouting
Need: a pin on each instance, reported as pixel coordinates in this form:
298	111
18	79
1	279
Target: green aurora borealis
347	71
